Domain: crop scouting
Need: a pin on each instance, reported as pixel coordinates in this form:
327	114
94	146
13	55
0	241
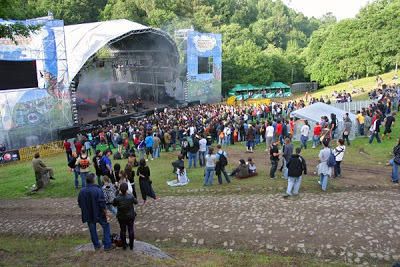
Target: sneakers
286	195
319	182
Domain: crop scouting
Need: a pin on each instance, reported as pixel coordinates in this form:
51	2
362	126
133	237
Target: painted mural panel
204	57
30	116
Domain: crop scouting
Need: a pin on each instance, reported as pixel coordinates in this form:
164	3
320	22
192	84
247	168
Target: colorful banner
204	66
32	116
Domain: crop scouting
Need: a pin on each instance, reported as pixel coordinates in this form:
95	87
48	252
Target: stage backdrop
204	66
35	98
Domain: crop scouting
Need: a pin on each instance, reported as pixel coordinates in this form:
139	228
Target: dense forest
263	40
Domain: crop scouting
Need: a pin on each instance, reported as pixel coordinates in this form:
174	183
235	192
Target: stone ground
356	227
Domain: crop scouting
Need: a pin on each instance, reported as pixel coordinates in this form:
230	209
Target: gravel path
353	226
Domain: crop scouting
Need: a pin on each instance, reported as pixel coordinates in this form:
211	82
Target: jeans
293	185
285	170
106	233
227	139
333	134
209	175
376	135
303	140
346	138
337	169
123	225
315	140
141	151
361	129
112	209
156	152
395	171
223	171
324	181
83	179
192	159
274	166
76	175
202	158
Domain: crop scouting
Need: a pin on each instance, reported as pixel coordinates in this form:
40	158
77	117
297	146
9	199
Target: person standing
84	163
250	136
316	135
375	129
78	147
211	160
145	183
106	165
109	191
324	171
96	163
269	135
40	169
305	131
149	146
202	151
193	148
360	120
395	162
222	162
274	157
92	203
126	215
347	128
333	125
156	146
388	122
68	149
296	167
339	153
287	153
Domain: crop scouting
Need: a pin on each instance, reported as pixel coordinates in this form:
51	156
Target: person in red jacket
317	134
78	147
68	149
278	131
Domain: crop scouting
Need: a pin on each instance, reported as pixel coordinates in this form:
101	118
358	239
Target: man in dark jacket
296	167
93	206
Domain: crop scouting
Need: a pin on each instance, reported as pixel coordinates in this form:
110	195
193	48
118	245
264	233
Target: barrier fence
48	149
353	106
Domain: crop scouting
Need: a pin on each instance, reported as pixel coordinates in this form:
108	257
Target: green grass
368	84
39	251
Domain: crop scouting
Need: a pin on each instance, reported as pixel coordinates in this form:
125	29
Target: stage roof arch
84	40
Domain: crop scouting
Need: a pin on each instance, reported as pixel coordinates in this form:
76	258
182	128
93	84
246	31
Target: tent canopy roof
316	110
249	87
84	40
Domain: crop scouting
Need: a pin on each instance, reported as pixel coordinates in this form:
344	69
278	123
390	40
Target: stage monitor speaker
113	102
68	132
193	103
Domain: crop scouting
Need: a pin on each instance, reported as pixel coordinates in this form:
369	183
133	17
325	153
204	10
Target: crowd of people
201	134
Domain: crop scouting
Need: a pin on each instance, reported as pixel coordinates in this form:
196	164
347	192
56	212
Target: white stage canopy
84	40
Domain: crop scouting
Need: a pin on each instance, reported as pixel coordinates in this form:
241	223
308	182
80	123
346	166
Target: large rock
140	247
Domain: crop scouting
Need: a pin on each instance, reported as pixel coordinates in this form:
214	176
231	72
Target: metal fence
353	106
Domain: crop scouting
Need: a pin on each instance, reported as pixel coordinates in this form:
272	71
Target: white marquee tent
313	114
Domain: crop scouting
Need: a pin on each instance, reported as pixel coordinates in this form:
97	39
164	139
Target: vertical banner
31	116
204	66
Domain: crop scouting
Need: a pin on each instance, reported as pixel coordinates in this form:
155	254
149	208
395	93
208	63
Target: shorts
387	130
149	151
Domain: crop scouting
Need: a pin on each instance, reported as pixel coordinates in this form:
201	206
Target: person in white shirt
211	160
202	151
339	153
305	131
269	135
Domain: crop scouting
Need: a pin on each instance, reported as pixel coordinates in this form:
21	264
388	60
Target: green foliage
360	47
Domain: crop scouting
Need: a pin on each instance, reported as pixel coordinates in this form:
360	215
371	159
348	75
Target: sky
340	8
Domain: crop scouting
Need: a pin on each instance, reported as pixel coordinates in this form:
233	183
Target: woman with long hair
145	183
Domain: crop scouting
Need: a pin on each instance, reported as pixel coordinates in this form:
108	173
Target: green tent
279	85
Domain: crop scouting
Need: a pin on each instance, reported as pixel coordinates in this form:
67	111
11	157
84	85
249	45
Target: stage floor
89	113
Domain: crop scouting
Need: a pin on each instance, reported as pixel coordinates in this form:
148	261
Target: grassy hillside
368	84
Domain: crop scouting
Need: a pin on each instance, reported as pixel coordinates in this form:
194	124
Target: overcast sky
340	8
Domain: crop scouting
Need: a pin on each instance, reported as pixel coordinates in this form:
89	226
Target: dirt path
353	226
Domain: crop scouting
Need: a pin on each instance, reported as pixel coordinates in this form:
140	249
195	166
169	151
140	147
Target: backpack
222	159
331	160
103	166
190	141
84	163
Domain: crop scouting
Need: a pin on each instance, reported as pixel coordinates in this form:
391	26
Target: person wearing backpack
74	168
339	153
324	170
296	167
96	163
192	150
395	162
83	162
222	162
